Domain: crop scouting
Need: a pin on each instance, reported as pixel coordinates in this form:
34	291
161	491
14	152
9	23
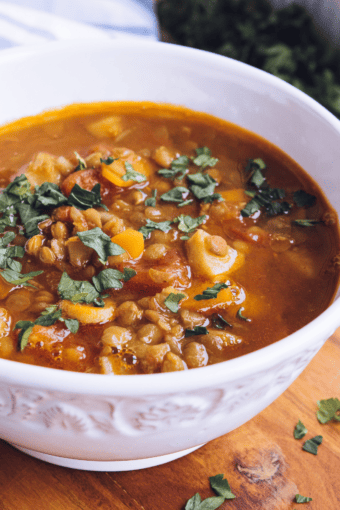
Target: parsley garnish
268	199
131	174
211	292
303	199
30	218
311	445
83	199
198	330
221	486
15	277
8	252
110	278
81	162
100	242
177	170
302	499
220	322
328	410
172	301
177	195
203	158
300	430
150	226
188	224
151	202
77	291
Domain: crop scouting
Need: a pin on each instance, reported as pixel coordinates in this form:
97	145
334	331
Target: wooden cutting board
262	461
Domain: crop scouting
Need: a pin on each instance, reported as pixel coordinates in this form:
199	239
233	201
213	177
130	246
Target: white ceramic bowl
100	422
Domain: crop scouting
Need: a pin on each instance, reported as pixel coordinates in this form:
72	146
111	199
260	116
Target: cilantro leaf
16	278
221	486
203	186
328	410
268	199
177	168
211	292
172	301
129	273
150	226
198	330
203	158
49	316
194	502
108	161
8	218
306	223
303	199
76	291
311	445
81	162
100	242
131	174
16	191
300	430
109	279
151	202
26	329
71	324
241	316
220	322
302	499
177	194
83	199
188	224
48	195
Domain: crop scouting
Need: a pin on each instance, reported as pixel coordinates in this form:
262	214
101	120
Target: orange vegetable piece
116	170
234	195
131	240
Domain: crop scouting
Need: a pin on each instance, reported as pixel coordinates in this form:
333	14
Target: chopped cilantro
110	278
71	324
83	199
220	322
203	158
30	218
177	195
108	161
131	174
303	199
241	316
100	242
328	410
211	292
8	218
81	162
306	223
172	301
177	168
311	445
15	277
203	187
47	195
76	291
198	330
188	224
219	485
302	499
300	430
150	226
151	202
267	198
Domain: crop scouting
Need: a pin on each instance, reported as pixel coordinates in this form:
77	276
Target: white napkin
49	20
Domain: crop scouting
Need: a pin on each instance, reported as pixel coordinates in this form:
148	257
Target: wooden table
264	464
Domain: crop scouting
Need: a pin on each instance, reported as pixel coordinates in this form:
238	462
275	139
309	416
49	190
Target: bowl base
110	465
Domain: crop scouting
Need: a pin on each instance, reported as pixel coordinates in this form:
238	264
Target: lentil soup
142	238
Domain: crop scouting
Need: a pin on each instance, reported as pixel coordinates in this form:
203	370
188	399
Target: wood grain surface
262	461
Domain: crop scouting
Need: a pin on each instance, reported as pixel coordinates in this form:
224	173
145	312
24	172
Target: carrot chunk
131	240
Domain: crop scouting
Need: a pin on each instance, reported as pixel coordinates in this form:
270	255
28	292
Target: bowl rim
243	366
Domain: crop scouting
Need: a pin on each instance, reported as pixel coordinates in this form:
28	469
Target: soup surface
142	238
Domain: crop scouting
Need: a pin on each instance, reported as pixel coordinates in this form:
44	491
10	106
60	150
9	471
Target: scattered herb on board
211	292
172	301
328	410
300	430
302	499
284	42
131	174
311	445
220	486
